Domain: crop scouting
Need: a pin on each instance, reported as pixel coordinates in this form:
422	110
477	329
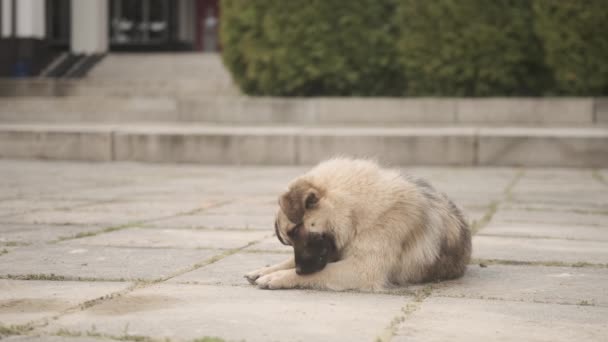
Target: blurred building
36	33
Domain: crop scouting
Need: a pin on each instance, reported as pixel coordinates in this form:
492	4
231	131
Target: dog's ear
300	197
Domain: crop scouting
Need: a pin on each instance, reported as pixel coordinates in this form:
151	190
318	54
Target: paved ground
152	252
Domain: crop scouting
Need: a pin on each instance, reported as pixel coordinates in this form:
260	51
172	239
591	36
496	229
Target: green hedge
469	48
311	47
416	47
575	39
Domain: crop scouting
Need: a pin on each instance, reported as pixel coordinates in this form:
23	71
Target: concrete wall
89	26
6	28
30	19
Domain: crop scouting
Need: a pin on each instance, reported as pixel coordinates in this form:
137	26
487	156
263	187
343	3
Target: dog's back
423	233
437	244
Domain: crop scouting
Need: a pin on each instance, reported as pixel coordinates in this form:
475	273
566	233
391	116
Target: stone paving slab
19	206
270	244
261	208
29	234
97	262
25	301
557	285
207	296
540	250
472	320
569	231
215	221
230	270
66	217
171	238
239	313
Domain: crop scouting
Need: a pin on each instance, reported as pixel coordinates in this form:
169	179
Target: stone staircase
184	108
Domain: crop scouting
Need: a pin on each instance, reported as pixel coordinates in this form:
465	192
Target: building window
141	22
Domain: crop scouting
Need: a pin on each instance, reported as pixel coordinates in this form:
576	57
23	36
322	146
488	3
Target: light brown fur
389	229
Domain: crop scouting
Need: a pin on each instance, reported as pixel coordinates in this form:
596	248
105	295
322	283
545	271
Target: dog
356	226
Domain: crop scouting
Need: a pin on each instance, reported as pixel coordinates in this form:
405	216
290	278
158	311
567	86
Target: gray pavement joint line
476	148
30	327
135	223
595	174
521	300
213	229
36	324
583	264
61	208
540	237
406	311
264	251
560	224
507	193
98	232
93	333
210	261
566	210
14	244
113	145
55	277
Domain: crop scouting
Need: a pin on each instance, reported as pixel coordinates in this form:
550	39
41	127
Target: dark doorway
207	25
144	25
58	23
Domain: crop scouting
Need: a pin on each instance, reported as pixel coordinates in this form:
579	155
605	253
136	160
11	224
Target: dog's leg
285	265
348	274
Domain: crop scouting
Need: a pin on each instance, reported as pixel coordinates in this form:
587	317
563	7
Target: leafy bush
575	39
469	48
311	47
417	47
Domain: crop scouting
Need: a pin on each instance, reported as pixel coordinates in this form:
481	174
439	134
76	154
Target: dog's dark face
301	223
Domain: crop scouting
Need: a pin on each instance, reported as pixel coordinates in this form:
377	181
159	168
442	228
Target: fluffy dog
354	225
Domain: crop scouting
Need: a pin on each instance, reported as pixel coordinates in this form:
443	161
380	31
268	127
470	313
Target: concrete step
299	145
310	111
102	88
132	74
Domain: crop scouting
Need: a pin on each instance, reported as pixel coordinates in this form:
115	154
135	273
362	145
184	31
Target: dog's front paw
260	272
253	276
285	279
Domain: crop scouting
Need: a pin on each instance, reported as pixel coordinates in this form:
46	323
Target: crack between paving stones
43	322
55	277
406	312
534	301
595	174
139	223
580	264
62	208
212	260
494	205
540	237
597	212
22	330
476	139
